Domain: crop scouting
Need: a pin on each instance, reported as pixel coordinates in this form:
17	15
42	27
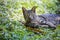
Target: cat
43	20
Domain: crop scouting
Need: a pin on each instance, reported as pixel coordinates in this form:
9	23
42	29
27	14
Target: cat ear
34	8
24	9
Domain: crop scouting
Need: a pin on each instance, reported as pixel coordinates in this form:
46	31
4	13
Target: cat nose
31	17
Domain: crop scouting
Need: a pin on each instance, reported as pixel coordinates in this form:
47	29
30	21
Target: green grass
11	14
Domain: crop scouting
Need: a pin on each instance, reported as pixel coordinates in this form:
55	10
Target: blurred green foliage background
11	14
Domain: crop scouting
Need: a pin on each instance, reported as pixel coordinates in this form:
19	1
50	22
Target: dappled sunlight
12	20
